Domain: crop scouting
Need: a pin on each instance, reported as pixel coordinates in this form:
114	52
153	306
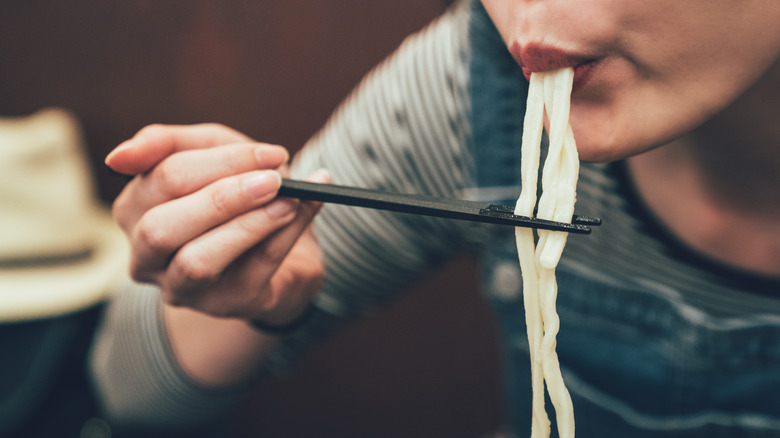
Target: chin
596	145
602	149
598	153
600	140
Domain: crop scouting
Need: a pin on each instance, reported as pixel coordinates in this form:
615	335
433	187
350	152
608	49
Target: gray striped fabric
137	375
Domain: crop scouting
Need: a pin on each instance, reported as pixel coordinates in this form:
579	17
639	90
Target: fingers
241	257
155	142
288	277
168	226
287	289
202	262
187	172
205	225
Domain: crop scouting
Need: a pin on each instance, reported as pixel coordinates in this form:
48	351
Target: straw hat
60	250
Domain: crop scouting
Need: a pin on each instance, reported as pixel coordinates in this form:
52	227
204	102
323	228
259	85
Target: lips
537	58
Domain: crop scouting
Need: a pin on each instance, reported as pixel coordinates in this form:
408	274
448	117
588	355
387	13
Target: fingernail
261	184
122	146
320	176
271	156
281	207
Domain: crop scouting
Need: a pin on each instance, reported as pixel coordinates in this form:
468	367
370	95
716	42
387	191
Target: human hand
205	226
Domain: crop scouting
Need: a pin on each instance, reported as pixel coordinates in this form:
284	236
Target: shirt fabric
654	339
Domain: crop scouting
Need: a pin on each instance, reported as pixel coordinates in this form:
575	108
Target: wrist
283	328
198	343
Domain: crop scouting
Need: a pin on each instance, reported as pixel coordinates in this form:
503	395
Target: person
670	311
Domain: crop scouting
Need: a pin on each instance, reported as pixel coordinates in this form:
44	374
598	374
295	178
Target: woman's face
645	71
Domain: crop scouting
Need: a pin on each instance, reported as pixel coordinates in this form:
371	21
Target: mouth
535	58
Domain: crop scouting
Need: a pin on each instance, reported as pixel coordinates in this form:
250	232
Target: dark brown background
427	366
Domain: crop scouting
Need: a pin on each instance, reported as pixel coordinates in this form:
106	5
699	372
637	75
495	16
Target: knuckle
195	267
137	272
119	209
246	224
251	223
221	199
125	206
170	178
156	238
269	303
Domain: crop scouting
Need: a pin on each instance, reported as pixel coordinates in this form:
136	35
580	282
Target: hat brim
37	292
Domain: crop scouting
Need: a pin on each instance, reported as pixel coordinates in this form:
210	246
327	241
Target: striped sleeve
405	129
136	374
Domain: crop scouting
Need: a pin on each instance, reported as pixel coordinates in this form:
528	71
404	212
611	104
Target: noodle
550	91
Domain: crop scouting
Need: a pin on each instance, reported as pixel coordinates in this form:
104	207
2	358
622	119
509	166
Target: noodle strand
550	91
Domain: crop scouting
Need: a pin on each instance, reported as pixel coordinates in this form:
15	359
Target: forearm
136	375
215	352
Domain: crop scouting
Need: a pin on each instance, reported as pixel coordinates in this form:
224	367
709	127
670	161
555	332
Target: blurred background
426	366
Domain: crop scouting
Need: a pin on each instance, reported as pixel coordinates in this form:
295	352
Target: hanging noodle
550	91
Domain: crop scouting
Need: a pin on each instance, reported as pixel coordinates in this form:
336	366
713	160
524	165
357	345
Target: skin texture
664	67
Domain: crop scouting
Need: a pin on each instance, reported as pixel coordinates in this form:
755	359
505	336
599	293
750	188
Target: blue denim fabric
638	361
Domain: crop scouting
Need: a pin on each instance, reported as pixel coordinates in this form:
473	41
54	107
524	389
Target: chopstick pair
428	206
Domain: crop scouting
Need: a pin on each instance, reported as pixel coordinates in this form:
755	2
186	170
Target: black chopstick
427	205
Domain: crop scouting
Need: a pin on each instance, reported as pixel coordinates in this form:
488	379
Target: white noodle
550	91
